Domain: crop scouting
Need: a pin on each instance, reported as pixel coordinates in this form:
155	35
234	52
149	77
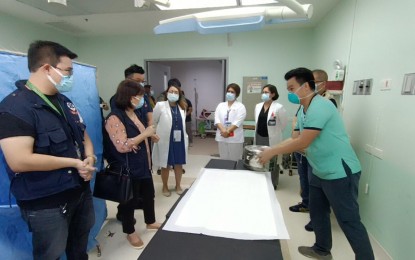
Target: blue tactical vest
55	136
137	162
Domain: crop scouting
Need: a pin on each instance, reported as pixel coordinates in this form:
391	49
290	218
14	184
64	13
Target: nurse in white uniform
229	118
270	121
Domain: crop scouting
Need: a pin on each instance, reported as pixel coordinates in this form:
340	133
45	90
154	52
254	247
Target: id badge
228	124
272	122
177	135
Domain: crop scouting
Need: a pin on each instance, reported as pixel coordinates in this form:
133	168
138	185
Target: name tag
272	122
177	136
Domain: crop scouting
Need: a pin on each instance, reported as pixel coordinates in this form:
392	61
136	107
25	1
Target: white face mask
172	97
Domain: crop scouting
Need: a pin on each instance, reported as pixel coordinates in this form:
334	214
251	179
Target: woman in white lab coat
229	118
171	150
270	121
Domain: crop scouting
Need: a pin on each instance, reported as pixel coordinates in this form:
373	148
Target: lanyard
175	116
42	96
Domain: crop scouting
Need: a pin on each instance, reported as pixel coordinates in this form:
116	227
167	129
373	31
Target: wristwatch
93	156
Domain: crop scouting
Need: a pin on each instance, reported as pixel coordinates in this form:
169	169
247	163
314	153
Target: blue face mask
65	84
230	96
265	97
140	103
293	97
172	97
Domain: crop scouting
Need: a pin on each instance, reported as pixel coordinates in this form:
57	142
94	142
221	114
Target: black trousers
143	190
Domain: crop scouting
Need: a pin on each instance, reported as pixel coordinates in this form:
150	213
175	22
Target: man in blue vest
48	155
334	182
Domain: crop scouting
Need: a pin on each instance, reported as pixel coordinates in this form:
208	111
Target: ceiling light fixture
236	19
62	2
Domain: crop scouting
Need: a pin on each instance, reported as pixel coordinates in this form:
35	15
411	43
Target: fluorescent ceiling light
195	4
62	2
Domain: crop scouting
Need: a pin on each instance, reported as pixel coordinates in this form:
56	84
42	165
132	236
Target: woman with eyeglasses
229	118
171	151
270	121
129	147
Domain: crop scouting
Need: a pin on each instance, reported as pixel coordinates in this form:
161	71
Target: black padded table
187	246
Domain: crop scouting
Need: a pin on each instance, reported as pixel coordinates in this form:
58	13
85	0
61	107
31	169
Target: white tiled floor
115	246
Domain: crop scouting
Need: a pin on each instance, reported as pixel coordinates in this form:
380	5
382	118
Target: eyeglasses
69	70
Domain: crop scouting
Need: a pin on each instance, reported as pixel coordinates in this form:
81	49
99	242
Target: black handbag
114	184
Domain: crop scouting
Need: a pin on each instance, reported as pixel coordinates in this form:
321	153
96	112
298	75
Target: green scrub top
332	146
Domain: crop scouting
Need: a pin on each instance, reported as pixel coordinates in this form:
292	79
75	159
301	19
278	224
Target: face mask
152	92
140	103
293	97
141	84
230	96
265	97
172	97
66	82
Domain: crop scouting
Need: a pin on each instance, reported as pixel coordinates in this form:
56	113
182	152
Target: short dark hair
272	89
174	82
46	52
147	86
133	69
126	89
322	75
301	75
235	87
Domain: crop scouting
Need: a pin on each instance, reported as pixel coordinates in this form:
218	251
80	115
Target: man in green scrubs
336	170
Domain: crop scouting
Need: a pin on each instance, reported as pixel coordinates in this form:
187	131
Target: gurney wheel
281	172
290	172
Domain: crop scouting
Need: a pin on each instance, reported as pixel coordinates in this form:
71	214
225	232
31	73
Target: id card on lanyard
228	123
177	133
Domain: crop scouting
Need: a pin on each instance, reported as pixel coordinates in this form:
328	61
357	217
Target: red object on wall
334	85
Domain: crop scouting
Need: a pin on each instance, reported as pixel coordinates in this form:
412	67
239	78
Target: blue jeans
55	232
341	195
304	172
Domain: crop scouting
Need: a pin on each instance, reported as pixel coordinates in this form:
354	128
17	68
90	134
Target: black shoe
309	227
300	207
118	216
311	253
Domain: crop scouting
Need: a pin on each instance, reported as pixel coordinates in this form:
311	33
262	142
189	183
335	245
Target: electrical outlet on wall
368	86
362	87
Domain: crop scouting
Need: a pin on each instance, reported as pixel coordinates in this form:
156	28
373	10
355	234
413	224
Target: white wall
16	35
375	40
270	53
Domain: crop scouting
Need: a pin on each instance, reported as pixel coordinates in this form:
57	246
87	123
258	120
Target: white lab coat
162	119
274	132
237	114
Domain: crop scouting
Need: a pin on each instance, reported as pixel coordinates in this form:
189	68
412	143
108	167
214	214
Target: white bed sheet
230	203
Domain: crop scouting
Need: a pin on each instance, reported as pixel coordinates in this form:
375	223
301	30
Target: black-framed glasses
69	71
